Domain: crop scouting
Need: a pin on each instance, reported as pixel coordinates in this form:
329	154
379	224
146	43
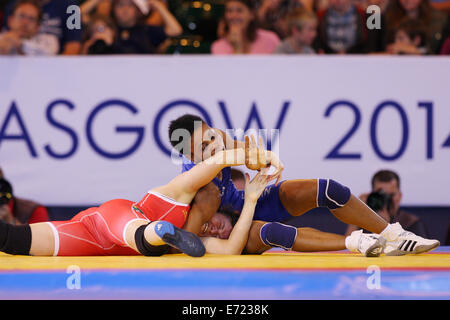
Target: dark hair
186	122
297	17
237	174
413	28
395	12
5	186
385	176
140	19
34	3
230	214
252	27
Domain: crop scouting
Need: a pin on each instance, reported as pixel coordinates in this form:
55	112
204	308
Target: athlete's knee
332	194
279	235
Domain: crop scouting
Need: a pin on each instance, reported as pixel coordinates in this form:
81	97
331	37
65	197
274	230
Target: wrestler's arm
184	186
239	235
257	157
230	143
205	204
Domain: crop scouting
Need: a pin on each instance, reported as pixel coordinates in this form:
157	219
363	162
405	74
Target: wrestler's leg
42	239
307	240
311	240
300	196
34	239
130	233
154	239
357	213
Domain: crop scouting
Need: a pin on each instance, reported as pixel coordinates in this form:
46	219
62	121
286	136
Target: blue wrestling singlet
269	207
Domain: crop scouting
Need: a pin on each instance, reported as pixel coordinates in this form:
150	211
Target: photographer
19	211
385	200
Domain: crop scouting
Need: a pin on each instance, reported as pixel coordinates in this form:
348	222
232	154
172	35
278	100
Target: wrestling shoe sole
377	248
185	241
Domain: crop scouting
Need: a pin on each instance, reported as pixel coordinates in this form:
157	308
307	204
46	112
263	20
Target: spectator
91	8
22	36
272	15
16	210
303	30
382	4
445	50
100	35
377	37
442	5
134	36
342	28
103	8
433	20
388	182
54	22
239	34
409	38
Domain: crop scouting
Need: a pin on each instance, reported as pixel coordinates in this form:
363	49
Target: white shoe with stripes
409	243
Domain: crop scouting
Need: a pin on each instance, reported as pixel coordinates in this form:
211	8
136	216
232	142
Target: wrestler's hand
274	161
255	187
255	156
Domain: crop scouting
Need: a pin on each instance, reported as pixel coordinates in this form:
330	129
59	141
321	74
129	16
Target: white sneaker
370	245
408	243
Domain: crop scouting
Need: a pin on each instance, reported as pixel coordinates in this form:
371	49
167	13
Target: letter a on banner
14	113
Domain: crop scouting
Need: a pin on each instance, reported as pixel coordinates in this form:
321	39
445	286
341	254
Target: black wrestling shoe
183	240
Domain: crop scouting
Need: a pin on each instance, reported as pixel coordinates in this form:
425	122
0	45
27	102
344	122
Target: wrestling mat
275	275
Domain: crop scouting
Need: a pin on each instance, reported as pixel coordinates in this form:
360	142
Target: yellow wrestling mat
268	260
274	275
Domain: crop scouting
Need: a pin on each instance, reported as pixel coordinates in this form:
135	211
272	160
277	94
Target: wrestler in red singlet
101	230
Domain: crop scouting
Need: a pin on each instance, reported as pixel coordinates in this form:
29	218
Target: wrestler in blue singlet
269	207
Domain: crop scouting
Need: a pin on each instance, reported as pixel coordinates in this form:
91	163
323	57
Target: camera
4	198
5	191
378	200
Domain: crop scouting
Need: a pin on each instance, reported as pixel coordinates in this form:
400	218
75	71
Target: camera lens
376	201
